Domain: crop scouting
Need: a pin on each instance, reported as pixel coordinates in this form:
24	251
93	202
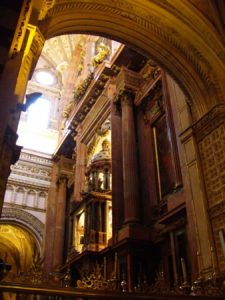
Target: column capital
62	180
127	98
127	82
65	166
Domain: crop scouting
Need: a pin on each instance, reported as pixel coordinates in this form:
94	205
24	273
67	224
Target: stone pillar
117	163
130	163
60	222
79	182
50	221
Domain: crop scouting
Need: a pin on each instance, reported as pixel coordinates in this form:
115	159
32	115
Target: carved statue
103	52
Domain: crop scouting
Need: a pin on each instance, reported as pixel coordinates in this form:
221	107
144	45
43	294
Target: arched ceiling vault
17	247
174	33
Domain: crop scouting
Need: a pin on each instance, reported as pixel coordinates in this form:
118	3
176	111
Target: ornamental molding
35	170
145	18
35	158
127	81
34	45
21	28
46	6
32	184
24	218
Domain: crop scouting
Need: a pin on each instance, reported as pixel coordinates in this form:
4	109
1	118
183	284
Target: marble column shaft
130	161
117	169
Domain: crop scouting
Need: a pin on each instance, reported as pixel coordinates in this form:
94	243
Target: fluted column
60	222
130	163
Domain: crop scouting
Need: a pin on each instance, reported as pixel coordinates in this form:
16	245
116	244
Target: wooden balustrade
86	294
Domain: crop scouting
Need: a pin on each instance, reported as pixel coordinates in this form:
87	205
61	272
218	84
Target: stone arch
25	220
175	35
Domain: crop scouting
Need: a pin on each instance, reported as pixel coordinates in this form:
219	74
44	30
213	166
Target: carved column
117	162
127	83
60	222
130	163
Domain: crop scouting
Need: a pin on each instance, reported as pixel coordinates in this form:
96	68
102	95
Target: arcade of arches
135	180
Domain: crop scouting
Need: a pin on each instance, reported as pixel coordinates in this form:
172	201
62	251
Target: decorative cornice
209	122
31	185
127	81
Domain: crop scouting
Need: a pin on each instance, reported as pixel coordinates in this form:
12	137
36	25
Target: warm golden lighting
17	248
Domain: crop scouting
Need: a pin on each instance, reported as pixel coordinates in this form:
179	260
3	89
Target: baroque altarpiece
119	185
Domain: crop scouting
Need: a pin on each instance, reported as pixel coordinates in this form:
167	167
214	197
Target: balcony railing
56	293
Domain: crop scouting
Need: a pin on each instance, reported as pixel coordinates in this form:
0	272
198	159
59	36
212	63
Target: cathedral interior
112	149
